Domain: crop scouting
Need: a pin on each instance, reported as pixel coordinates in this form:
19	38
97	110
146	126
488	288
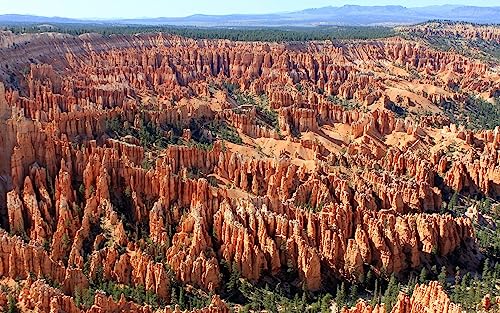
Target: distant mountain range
354	15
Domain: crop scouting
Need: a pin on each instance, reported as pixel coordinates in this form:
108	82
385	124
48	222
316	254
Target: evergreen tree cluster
267	34
469	289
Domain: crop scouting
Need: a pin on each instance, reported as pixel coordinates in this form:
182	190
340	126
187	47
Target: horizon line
228	14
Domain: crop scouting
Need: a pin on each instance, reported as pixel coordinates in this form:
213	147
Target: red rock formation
363	307
40	297
425	298
468	31
343	186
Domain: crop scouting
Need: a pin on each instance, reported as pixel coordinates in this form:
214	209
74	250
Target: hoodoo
153	172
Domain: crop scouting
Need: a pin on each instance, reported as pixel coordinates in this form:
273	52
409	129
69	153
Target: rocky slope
152	161
476	41
425	298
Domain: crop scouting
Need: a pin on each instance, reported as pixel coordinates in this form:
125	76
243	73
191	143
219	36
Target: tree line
267	34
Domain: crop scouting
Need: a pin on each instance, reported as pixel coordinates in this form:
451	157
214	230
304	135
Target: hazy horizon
128	9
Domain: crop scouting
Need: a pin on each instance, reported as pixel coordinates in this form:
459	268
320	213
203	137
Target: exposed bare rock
425	298
152	161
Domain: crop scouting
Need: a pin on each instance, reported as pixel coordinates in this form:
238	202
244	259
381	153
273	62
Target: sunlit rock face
153	160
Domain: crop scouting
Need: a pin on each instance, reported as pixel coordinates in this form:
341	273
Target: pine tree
453	201
234	278
353	297
412	282
140	293
78	297
340	297
486	207
303	301
173	296
376	296
368	278
465	291
12	305
325	303
434	270
487	275
296	302
182	301
268	300
457	275
457	290
87	298
391	293
423	275
442	277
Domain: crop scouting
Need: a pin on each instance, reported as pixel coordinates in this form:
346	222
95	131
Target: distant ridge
354	15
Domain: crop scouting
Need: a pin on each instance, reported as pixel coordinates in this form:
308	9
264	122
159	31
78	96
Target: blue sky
171	8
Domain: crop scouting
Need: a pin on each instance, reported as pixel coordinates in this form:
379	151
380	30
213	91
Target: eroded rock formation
151	160
425	298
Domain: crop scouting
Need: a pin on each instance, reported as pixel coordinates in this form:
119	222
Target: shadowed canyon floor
152	172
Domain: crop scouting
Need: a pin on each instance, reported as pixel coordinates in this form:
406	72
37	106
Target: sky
178	8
